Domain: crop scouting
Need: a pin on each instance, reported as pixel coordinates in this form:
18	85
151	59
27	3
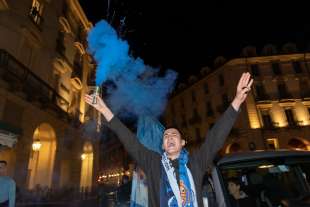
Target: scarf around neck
172	193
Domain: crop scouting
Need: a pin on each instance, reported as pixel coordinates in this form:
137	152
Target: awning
8	134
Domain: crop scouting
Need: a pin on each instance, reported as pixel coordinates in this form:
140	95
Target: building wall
54	52
214	91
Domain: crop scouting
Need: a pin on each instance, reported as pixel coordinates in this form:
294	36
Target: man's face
172	142
233	188
3	169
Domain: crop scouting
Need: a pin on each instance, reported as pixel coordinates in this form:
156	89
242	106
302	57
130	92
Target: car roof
254	155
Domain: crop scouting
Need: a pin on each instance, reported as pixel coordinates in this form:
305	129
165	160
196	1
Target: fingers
245	90
244	80
240	84
250	83
89	99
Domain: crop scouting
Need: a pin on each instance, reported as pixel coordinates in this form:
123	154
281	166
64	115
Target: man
7	187
239	198
175	178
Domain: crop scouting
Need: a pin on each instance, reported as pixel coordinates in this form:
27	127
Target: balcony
24	83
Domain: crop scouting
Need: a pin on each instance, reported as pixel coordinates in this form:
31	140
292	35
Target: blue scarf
169	186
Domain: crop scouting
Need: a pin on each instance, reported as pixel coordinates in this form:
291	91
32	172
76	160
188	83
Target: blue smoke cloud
137	88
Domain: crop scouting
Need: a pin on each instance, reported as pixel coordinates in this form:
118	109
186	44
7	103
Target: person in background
7	187
239	197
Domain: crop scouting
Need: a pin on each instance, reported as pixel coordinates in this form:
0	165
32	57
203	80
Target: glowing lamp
36	145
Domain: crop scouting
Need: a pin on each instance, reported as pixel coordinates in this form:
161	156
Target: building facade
274	116
44	73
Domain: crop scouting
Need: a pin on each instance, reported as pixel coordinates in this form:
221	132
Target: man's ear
162	146
183	142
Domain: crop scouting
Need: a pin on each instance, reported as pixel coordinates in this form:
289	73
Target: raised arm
216	137
138	152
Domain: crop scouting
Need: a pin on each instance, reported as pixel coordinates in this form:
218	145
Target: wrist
236	104
106	112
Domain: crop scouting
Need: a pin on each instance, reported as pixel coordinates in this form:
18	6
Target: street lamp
83	156
36	145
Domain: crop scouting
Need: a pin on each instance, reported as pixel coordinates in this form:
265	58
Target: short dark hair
3	162
177	128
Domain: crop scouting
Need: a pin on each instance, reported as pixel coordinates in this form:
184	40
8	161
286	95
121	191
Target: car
265	178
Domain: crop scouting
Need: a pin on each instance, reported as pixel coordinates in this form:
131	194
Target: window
283	93
304	88
274	179
193	96
197	131
36	12
60	45
209	109
273	143
195	113
12	113
260	92
267	122
276	69
255	70
221	80
297	67
182	103
225	101
206	88
78	66
211	125
183	120
172	109
290	117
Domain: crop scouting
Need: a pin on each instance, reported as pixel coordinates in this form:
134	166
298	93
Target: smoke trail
137	89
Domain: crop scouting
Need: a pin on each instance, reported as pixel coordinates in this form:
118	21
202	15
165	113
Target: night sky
187	35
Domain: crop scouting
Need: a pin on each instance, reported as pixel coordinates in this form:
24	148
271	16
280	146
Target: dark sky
186	35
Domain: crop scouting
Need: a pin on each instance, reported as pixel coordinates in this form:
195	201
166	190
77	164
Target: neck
173	156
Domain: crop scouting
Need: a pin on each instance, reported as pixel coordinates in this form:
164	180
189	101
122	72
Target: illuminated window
290	117
36	12
267	121
273	143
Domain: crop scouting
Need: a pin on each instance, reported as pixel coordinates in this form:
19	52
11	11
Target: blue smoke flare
137	89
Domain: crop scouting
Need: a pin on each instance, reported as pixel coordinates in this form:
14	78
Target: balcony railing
24	82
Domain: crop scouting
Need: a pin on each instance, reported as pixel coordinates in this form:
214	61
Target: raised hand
244	86
100	106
